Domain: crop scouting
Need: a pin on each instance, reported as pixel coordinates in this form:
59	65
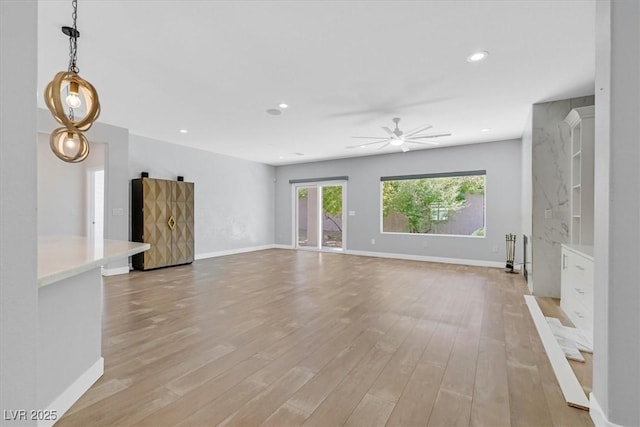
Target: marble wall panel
550	158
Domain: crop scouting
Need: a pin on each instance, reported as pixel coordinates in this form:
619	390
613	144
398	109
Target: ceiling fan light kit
68	143
398	138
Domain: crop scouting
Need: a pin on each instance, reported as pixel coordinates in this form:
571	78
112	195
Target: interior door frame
90	200
294	214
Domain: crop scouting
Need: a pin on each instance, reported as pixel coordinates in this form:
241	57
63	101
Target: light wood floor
288	338
550	307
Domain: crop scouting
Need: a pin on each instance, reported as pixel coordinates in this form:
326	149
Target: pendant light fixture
68	145
74	103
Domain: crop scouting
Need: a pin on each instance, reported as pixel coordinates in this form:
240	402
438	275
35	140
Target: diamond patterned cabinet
162	215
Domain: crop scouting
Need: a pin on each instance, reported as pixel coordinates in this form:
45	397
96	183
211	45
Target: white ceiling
346	68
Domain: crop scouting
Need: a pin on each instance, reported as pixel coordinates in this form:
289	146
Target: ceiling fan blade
382	138
404	148
423	142
368	111
369	143
384	146
437	135
383	107
417	130
389	131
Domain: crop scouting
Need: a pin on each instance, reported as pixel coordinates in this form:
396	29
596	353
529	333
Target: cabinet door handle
580	291
579	267
564	261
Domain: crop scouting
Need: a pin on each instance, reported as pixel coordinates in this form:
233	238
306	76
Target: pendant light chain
73	40
73	48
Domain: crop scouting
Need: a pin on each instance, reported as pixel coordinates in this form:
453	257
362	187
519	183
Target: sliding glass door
307	218
319	215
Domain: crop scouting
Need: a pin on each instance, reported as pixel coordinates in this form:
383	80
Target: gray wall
501	160
18	246
63	200
550	190
233	197
616	380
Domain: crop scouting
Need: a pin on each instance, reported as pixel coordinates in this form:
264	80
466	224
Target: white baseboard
233	251
115	271
567	380
459	261
597	414
283	246
62	403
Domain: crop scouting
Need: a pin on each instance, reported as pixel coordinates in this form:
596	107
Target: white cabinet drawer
581	316
577	288
581	295
583	272
581	279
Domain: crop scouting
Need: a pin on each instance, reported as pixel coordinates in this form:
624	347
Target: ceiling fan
401	139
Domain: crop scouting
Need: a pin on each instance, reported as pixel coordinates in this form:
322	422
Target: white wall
233	197
501	160
616	380
63	190
18	245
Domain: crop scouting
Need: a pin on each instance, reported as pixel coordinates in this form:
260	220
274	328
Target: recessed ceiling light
281	157
485	130
362	146
184	131
283	105
274	111
477	56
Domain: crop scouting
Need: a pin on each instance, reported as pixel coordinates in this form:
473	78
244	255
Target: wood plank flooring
550	307
297	338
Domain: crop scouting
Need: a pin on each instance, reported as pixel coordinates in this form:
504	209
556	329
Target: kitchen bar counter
70	317
61	257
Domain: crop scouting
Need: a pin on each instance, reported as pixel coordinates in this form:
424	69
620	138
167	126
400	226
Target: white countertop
61	257
585	250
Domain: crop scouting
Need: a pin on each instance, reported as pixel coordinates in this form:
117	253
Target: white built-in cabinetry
576	297
581	122
576	291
